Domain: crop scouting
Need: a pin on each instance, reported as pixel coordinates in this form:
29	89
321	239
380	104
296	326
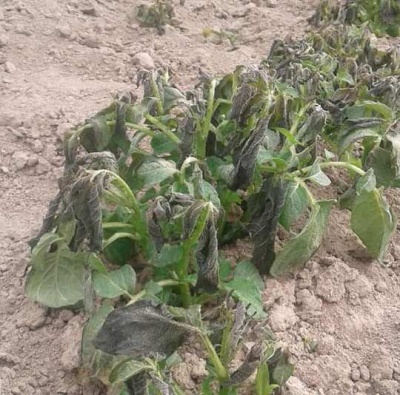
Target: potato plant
152	190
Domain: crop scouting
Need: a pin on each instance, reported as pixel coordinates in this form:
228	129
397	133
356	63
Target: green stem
222	373
324	165
206	126
142	293
156	93
188	244
163	128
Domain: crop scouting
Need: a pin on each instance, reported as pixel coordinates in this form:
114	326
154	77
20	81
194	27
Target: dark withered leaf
137	385
248	367
161	385
187	130
312	127
159	211
245	157
207	259
265	207
141	329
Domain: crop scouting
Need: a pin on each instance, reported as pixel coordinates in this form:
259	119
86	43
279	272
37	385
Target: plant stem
162	283
156	93
324	165
222	373
163	128
202	134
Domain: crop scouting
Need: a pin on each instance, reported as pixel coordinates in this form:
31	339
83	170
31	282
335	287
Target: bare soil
62	60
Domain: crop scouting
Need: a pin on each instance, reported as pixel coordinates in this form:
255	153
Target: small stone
364	372
272	3
43	166
66	315
34	317
4	169
144	60
37	146
282	318
381	286
355	373
8	359
19	159
10	67
64	31
91	42
296	387
3	40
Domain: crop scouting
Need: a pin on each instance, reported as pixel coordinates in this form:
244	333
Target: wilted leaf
373	221
127	369
300	249
141	329
56	277
247	285
351	135
296	202
265	208
312	127
97	137
115	283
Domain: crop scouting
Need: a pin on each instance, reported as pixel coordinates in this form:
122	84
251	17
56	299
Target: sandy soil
62	60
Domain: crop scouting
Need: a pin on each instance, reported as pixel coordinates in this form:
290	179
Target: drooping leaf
300	249
348	137
56	277
141	329
381	160
373	221
296	202
312	127
127	369
115	283
247	285
265	209
317	176
96	137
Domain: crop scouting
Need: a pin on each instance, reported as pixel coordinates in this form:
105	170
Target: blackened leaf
265	208
155	171
247	285
373	221
57	274
141	329
246	155
296	202
97	137
248	367
300	249
115	283
127	369
312	127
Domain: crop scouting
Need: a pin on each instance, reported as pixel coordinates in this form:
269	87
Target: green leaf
263	387
115	283
156	171
350	136
57	274
381	160
301	248
373	221
282	372
296	202
162	144
95	360
169	255
247	285
317	176
367	107
127	369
